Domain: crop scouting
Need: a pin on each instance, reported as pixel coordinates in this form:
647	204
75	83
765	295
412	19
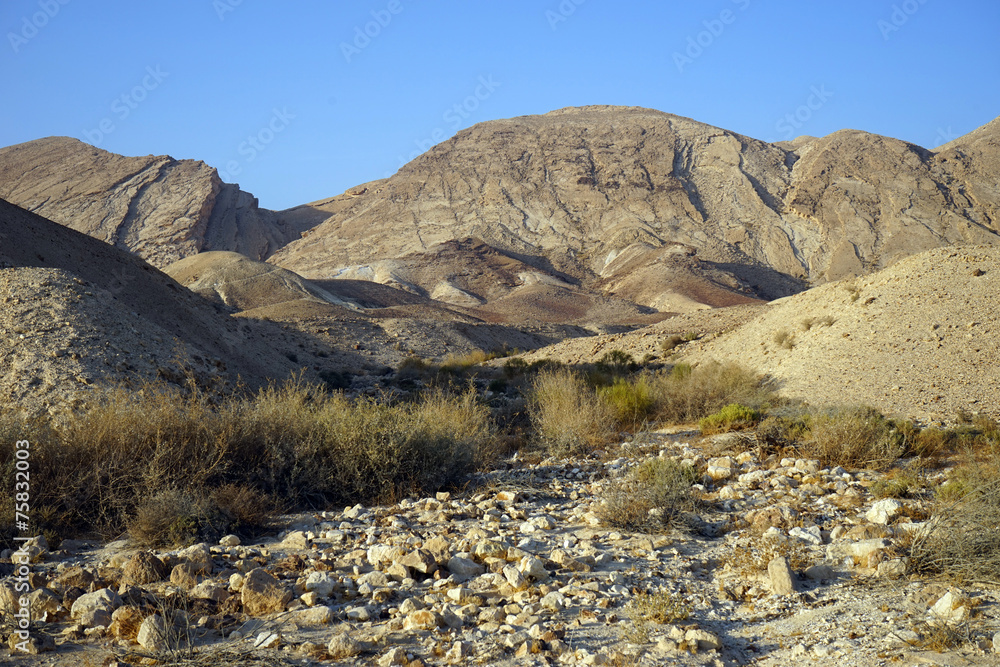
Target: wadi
601	386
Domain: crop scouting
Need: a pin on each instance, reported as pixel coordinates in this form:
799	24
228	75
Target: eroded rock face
160	208
592	190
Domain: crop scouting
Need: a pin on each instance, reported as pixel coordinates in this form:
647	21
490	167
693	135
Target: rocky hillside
77	312
157	207
599	193
918	339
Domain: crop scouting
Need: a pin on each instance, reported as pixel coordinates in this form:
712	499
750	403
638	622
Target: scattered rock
263	594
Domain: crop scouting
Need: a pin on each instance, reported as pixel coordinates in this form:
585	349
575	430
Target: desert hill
78	312
573	191
589	215
920	338
157	207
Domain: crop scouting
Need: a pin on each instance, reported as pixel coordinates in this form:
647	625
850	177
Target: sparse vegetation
784	338
853	437
810	322
567	414
963	542
148	447
659	608
668	344
687	394
617	363
630	403
655	495
733	417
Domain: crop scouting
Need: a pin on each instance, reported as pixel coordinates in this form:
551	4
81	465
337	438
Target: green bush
630	403
730	418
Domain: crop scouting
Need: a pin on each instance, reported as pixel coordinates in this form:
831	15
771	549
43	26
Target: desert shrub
514	367
567	414
660	608
687	394
853	437
751	557
668	344
732	417
690	336
781	432
963	541
617	362
654	495
292	441
630	403
458	364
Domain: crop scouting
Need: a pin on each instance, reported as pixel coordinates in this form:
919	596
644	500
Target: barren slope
157	207
574	190
77	312
921	338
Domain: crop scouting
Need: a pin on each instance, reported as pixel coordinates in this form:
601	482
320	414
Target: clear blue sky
198	78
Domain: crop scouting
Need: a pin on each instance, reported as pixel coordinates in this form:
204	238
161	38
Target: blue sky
297	101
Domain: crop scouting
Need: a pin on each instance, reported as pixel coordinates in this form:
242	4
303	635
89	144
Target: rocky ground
788	563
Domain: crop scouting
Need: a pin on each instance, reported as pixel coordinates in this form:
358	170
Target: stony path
792	563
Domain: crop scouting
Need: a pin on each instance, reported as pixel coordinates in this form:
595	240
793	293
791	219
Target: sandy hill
920	339
78	312
160	208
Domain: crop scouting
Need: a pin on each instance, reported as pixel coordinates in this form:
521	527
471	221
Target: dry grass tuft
660	608
567	414
964	537
654	496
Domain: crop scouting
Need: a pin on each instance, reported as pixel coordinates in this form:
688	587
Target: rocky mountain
157	207
592	216
600	194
